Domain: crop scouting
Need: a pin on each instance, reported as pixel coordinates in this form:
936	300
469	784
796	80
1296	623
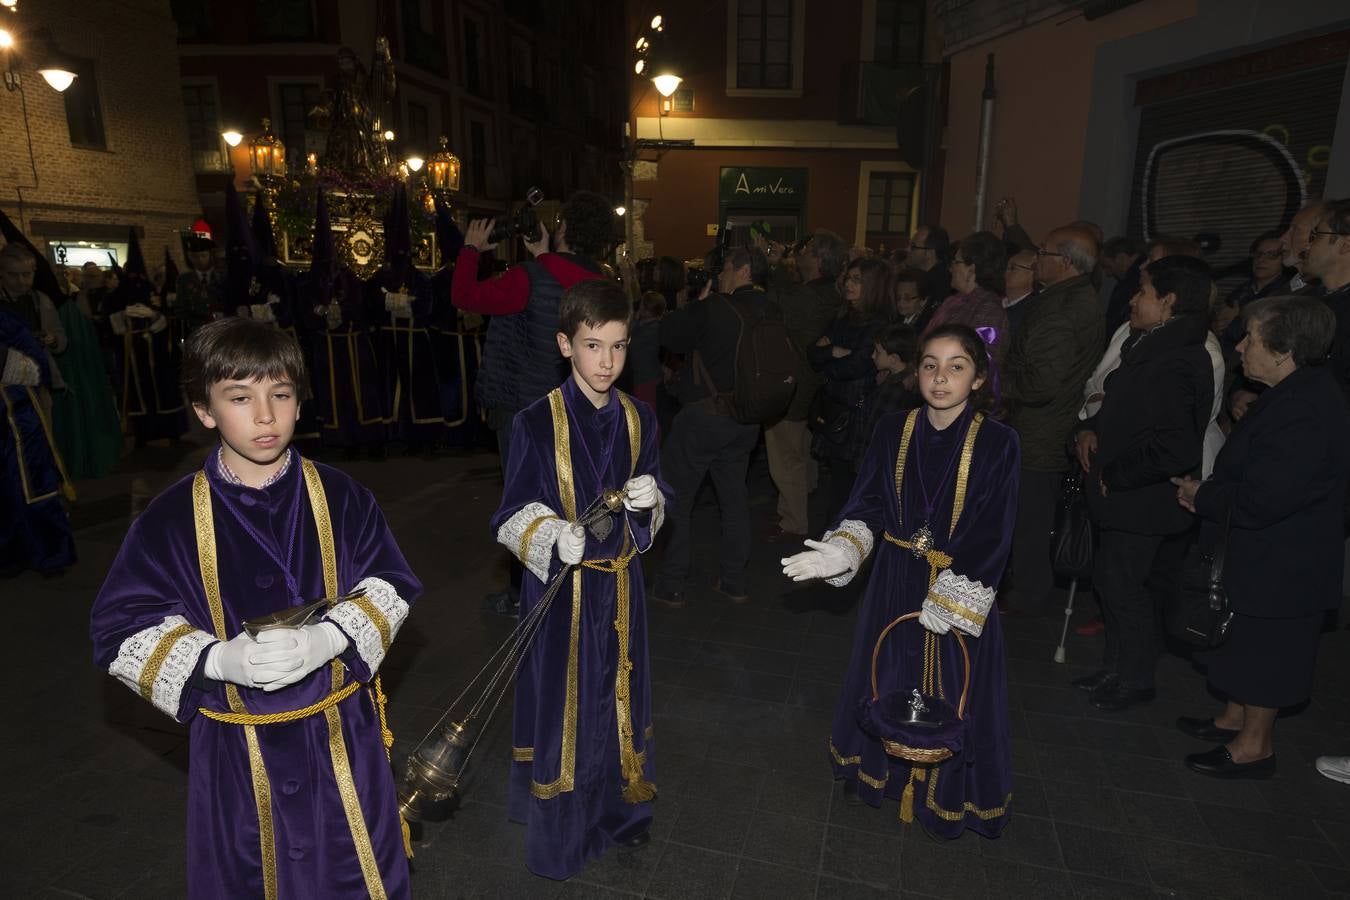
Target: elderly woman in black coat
1149	429
1280	484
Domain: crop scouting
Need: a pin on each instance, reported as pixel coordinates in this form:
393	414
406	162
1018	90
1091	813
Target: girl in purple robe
582	737
939	487
290	792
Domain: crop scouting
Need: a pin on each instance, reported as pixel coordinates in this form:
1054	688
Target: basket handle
961	642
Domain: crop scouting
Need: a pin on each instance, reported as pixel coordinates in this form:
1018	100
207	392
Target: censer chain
515	646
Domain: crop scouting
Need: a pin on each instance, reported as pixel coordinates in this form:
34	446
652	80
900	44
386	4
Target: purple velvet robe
348	388
567	772
153	604
34	528
974	788
407	358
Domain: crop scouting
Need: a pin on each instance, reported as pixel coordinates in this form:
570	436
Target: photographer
521	362
704	438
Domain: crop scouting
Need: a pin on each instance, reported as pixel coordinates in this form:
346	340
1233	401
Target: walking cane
1068	613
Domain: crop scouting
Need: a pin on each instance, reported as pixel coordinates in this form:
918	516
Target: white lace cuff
960	602
157	662
856	539
530	534
371	620
20	369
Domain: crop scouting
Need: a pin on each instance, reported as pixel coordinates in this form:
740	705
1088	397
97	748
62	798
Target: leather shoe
672	599
1218	763
1205	729
637	840
1113	696
733	597
1095	680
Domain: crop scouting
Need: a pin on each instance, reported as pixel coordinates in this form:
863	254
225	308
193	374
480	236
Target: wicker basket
901	748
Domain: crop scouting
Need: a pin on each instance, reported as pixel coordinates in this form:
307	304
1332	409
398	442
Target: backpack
766	366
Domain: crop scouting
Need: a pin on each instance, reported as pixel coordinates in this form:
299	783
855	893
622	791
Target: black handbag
1201	614
1071	546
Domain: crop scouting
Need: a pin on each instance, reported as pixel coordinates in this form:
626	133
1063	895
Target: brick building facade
112	152
792	110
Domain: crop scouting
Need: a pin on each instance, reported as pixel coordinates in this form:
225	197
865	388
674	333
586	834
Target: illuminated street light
639	66
389	135
415	163
58	76
232	137
6	39
620	210
657	22
667	83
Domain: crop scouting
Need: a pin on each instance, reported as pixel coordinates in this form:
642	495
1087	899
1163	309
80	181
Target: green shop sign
765	186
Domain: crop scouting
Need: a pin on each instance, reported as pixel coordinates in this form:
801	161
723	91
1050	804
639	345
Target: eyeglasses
1315	234
920	247
1041	251
1268	254
1013	265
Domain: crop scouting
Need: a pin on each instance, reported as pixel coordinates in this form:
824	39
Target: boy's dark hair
911	275
590	223
235	349
652	305
595	302
1186	277
754	258
982	399
900	340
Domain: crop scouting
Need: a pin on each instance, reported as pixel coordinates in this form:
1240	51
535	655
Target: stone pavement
92	778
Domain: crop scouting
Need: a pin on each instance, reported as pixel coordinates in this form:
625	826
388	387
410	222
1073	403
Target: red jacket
507	294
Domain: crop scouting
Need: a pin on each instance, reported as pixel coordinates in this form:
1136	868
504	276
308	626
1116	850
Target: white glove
244	661
312	645
571	544
642	493
823	560
140	311
930	620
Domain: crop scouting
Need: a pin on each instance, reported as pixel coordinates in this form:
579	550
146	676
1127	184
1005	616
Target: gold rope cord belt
290	715
638	789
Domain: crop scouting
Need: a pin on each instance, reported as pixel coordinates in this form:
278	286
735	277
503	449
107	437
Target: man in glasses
1327	258
1294	242
928	252
1268	279
1019	283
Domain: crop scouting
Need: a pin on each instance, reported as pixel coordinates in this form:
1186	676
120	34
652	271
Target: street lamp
267	155
667	83
232	137
53	66
443	170
414	163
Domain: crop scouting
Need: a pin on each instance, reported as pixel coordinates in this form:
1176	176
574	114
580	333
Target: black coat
1283	475
1150	428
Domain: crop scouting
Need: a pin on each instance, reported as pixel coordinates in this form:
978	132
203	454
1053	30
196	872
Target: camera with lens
697	276
523	222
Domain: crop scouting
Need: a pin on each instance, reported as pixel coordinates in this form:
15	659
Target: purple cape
974	788
153	605
571	769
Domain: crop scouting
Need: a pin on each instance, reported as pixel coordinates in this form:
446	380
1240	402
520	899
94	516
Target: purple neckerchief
989	335
227	474
284	564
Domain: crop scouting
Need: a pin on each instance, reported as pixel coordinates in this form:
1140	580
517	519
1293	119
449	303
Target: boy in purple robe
939	487
582	739
290	793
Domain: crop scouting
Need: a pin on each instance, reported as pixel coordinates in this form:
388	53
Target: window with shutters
889	195
478	158
84	109
283	20
898	35
203	122
294	101
417	130
766	48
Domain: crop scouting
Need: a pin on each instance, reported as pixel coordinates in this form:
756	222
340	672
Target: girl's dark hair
669	276
985	251
235	349
652	305
982	399
876	301
900	340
